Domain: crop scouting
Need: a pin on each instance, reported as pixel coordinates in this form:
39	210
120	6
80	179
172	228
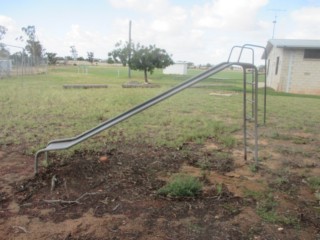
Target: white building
293	65
177	68
5	68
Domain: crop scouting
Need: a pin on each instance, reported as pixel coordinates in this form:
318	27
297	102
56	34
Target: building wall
295	74
305	75
273	79
5	68
177	68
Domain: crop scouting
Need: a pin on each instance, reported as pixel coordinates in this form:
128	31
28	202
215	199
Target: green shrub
314	183
181	186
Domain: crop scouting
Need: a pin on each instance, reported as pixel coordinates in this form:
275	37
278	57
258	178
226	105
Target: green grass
266	208
36	109
181	185
314	183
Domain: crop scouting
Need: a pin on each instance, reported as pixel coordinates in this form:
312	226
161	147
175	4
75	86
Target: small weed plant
266	209
219	188
181	185
314	183
254	167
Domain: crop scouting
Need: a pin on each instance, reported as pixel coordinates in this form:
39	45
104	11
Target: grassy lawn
192	141
36	109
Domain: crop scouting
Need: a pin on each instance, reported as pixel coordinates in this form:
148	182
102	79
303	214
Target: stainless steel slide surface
61	144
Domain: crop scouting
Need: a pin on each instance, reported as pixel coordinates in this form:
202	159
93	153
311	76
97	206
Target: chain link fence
15	62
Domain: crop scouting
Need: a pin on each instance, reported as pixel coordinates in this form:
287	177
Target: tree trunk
146	76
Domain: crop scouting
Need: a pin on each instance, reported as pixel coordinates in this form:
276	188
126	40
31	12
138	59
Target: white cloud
180	29
203	32
8	22
306	22
160	25
154	7
84	41
164	24
231	14
172	20
199	33
12	30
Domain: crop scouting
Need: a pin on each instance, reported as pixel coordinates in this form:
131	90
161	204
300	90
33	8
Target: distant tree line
33	48
137	56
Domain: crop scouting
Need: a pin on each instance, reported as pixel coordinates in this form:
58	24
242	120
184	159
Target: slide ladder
250	101
250	112
66	143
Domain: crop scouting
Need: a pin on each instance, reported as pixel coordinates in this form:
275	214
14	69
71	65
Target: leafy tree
90	56
190	64
110	60
35	50
30	31
74	52
33	47
148	58
52	58
121	53
3	31
18	56
4	53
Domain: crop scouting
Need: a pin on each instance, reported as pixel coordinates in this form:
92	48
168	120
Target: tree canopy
143	58
30	31
3	31
4	53
74	52
90	56
33	47
121	53
146	59
52	58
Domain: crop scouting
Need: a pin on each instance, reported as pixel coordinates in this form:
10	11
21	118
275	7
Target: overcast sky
199	31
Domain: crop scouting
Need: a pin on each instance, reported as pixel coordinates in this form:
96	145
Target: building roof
295	43
292	43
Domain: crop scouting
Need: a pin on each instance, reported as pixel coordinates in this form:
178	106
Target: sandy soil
112	195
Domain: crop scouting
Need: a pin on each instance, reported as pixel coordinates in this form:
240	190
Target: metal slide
66	143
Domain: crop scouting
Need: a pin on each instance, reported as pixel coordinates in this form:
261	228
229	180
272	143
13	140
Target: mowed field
108	187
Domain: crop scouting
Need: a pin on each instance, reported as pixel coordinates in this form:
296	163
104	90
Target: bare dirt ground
89	197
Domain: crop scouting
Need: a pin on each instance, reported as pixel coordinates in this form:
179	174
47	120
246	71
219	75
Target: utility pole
129	54
275	19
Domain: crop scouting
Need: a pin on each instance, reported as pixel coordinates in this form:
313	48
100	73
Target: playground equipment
250	106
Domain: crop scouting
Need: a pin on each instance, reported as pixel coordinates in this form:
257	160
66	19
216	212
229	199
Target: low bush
181	186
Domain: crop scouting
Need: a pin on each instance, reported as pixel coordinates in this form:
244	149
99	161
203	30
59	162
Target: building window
277	65
312	54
